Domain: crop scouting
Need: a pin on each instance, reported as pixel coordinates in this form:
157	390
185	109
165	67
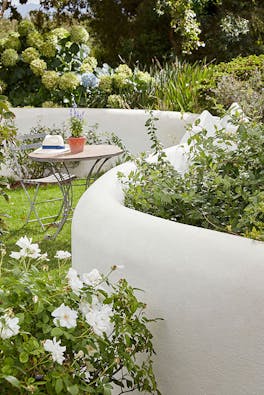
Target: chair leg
67	197
32	208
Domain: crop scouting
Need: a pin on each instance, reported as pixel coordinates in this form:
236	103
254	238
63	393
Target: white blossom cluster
96	314
32	250
234	26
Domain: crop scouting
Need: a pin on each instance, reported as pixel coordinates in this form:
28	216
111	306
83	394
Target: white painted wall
207	285
128	125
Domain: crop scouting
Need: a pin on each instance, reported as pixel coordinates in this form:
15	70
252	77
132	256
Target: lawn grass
17	209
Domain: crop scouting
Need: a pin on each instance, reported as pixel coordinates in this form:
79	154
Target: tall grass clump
177	85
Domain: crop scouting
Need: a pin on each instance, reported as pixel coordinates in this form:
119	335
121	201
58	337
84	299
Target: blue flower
89	80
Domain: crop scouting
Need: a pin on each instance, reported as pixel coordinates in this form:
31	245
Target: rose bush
64	333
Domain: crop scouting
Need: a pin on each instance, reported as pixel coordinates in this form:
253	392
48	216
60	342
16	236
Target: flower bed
206	285
61	333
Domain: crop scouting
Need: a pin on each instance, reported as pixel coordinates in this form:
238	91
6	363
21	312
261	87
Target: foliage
249	94
177	85
130	30
240	80
242	67
68	334
184	22
7	132
191	29
7	129
143	30
221	190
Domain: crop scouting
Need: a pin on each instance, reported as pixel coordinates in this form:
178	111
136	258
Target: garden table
59	163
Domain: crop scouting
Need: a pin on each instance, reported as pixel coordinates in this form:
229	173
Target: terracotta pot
76	144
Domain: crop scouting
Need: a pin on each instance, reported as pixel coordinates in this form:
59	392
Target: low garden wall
128	125
206	285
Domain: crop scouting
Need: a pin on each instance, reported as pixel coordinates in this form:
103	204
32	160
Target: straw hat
53	142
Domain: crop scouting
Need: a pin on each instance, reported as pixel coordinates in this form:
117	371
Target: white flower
56	350
28	249
8	326
62	255
44	257
24	242
74	281
99	319
15	255
93	278
64	316
84	308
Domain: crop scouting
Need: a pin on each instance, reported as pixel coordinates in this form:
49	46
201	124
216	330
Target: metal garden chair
17	150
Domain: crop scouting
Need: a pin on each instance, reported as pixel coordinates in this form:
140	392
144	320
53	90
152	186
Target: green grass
17	209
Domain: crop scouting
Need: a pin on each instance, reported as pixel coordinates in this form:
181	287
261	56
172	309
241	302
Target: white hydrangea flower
64	316
74	281
62	255
93	278
99	319
55	349
8	326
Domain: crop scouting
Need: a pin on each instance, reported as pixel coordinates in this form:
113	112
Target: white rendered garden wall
128	125
208	287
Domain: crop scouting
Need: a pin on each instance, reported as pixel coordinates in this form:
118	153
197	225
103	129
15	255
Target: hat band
53	146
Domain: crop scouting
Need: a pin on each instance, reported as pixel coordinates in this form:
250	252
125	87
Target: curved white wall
208	287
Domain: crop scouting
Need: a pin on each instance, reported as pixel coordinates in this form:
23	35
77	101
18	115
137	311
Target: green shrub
240	80
7	132
62	333
222	189
248	93
242	67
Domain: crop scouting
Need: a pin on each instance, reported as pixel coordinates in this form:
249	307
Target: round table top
92	151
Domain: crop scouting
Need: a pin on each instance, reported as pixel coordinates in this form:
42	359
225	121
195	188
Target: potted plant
76	141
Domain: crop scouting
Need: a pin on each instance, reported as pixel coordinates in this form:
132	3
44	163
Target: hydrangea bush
64	333
58	65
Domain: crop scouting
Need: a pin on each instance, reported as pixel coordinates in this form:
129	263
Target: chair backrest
16	153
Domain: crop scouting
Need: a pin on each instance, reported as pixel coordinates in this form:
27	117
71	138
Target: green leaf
56	332
23	357
74	389
59	386
74	48
107	390
12	380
